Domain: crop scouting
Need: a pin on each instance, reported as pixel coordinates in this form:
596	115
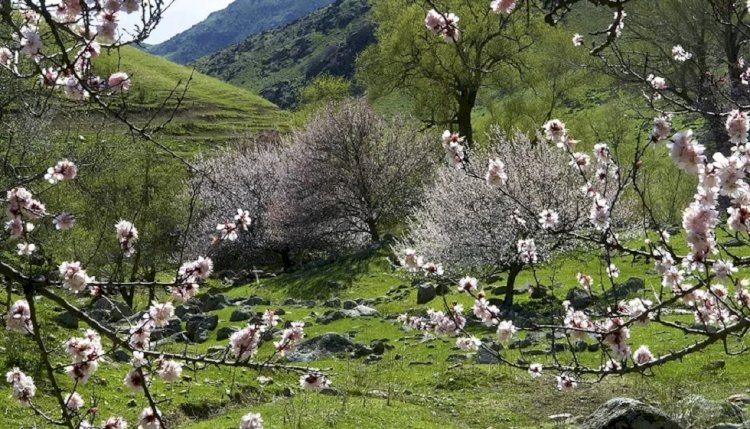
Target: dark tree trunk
286	259
466	101
374	232
512	274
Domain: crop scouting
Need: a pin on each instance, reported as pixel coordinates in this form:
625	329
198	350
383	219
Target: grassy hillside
232	24
277	63
212	109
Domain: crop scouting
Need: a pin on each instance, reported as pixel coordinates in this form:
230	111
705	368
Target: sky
182	15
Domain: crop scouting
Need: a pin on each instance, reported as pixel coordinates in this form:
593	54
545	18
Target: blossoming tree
52	48
704	280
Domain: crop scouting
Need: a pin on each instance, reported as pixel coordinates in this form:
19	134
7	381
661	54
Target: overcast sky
182	15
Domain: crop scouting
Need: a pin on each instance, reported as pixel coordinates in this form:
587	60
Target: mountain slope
277	63
232	24
212	110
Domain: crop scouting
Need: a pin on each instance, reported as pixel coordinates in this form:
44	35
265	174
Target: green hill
277	63
231	25
211	109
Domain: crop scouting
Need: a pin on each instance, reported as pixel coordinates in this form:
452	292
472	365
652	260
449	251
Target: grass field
421	382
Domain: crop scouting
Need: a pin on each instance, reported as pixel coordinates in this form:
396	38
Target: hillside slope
211	109
277	63
231	25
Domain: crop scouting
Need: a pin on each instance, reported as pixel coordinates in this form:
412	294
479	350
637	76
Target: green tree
443	78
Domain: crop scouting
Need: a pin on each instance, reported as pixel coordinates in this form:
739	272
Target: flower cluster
290	337
18	317
127	235
446	25
74	278
85	352
23	386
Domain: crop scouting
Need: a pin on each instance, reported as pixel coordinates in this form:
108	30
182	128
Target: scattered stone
174	326
323	346
628	413
348	305
457	357
579	298
241	314
741	398
66	320
289	301
486	357
425	293
333	303
378	347
121	356
442	289
115	311
714	365
263	380
225	332
366	311
211	302
183	312
256	300
199	325
631	285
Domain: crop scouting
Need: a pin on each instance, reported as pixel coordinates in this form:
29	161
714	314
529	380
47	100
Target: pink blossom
468	343
119	82
315	381
642	356
468	284
505	330
64	221
577	40
503	7
566	382
73	401
251	421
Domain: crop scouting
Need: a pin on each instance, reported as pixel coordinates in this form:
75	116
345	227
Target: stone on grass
626	413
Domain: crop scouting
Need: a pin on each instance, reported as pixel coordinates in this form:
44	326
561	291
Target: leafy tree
444	78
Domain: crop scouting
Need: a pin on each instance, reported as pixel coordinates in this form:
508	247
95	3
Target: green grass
211	110
400	390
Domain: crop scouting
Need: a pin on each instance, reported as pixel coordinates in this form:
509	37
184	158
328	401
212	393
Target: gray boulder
211	302
333	303
241	314
199	325
348	305
626	413
183	312
225	332
366	311
631	285
113	311
425	293
66	320
579	298
256	300
323	346
174	326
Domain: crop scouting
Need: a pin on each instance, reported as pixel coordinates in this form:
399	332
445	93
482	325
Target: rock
183	312
537	292
66	320
115	311
309	303
256	300
741	398
485	357
378	347
456	357
174	326
364	310
241	314
425	293
323	346
289	301
331	316
121	356
730	426
348	305
580	346
626	413
263	380
198	326
714	365
631	285
225	332
333	303
361	351
696	409
334	285
579	298
211	302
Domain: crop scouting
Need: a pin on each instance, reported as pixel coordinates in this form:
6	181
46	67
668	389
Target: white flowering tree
47	52
477	228
353	173
705	279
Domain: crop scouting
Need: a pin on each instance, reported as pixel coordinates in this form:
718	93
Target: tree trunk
466	100
374	232
512	274
286	259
